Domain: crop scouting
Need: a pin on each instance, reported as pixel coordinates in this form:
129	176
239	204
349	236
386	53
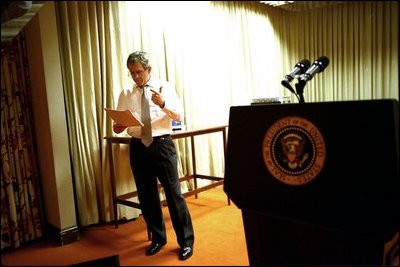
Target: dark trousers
159	160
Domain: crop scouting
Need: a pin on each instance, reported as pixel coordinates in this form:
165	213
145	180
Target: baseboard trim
64	236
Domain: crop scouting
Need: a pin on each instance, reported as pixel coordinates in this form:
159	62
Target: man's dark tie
147	138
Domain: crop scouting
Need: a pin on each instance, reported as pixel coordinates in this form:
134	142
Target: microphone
319	65
299	68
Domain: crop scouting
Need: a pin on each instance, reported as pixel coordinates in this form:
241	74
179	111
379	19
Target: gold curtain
88	32
359	37
21	205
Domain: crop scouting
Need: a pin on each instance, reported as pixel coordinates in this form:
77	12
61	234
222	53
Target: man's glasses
136	74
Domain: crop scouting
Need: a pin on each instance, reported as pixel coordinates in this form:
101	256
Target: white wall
50	119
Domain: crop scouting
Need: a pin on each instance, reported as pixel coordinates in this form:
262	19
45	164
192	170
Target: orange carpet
219	240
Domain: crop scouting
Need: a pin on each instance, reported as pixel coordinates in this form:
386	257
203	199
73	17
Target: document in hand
123	117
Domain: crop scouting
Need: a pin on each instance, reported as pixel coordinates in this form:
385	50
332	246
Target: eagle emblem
293	151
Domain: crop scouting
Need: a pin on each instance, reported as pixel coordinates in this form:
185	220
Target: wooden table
124	198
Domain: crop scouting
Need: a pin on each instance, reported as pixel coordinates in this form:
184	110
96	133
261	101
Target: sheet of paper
124	117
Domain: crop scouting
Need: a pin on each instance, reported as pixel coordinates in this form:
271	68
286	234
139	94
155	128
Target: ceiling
298	6
13	24
15	18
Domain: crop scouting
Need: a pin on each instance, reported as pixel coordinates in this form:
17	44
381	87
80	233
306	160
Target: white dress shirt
161	118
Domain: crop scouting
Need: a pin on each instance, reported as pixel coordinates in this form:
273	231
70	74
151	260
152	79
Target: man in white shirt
153	155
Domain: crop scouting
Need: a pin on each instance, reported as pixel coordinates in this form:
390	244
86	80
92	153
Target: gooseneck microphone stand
299	91
288	86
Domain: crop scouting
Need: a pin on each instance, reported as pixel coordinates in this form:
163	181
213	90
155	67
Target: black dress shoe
154	248
185	253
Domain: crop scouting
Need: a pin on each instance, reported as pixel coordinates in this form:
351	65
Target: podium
317	183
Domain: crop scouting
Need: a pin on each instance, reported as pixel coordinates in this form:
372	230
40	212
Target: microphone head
322	63
318	66
303	64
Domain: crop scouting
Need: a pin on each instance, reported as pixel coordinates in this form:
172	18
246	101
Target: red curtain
21	205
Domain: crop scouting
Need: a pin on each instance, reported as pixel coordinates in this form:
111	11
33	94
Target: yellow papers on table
123	117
